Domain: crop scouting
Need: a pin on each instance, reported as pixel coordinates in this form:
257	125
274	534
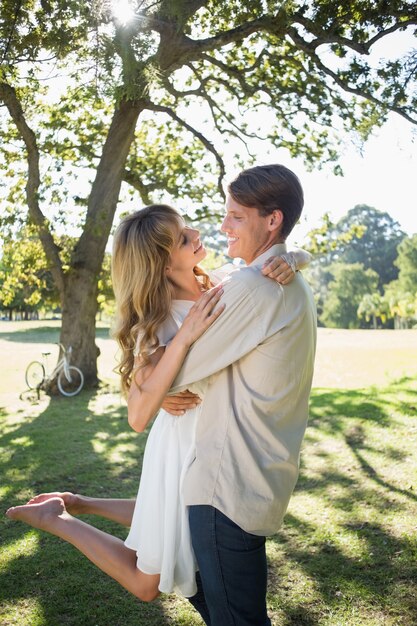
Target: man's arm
255	309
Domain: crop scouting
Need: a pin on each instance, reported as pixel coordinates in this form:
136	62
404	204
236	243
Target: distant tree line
364	274
27	289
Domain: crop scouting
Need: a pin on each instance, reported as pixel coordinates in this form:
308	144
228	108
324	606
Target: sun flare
122	11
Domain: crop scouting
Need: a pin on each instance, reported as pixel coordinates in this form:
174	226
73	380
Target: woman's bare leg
107	552
115	509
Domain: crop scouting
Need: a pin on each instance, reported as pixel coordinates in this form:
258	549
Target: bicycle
70	379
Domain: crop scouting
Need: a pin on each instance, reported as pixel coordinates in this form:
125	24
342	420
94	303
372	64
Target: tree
372	307
350	283
401	294
402	305
407	264
105	298
375	247
308	62
26	283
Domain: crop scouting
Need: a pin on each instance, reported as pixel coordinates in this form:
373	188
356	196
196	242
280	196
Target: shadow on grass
347	415
83	445
347	429
386	569
45	334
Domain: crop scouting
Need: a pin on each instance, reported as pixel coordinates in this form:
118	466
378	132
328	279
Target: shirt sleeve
251	315
164	334
219	274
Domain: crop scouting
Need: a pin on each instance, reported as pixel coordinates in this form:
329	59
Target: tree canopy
93	99
407	264
24	277
351	282
375	246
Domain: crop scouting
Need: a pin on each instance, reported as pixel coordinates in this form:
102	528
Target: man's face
248	233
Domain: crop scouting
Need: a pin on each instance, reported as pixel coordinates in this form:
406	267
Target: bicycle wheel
35	374
70	381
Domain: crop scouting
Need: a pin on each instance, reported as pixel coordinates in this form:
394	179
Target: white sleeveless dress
160	532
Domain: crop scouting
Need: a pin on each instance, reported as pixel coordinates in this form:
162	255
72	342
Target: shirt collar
275	250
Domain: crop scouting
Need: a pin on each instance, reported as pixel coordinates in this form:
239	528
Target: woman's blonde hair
142	247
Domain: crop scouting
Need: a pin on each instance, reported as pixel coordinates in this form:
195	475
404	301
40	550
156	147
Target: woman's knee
147	595
146	588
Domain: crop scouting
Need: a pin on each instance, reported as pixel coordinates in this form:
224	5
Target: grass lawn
347	553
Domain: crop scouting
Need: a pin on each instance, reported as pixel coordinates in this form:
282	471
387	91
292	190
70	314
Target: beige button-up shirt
258	358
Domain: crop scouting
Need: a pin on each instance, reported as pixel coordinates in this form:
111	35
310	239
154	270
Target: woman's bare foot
73	502
45	515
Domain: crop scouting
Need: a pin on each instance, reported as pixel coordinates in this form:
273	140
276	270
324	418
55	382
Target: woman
164	303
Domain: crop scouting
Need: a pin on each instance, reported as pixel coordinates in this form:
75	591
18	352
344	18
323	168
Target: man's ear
275	220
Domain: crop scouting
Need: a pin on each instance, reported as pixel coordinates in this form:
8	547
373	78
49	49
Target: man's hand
177	405
280	268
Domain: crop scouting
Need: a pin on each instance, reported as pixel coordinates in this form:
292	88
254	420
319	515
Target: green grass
346	555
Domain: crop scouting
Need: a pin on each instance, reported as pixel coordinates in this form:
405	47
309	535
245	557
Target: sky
383	176
382	173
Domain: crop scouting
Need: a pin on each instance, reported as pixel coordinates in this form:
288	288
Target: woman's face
188	250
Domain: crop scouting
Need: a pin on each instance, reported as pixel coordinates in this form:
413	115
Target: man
259	359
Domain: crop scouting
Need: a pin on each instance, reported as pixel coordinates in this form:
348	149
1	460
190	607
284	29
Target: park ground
346	555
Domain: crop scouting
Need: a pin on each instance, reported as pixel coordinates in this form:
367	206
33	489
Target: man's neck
274	250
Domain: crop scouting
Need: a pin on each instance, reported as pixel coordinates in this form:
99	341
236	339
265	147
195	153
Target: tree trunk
79	310
78	285
79	297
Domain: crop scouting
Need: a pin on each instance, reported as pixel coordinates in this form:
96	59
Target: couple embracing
229	358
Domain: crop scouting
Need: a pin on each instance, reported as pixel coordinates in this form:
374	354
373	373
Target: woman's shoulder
167	329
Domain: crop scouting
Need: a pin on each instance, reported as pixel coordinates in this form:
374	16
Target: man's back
259	356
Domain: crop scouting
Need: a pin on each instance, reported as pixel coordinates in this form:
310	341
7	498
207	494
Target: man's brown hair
269	188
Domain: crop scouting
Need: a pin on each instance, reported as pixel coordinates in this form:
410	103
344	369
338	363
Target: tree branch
176	48
9	97
329	36
105	190
207	144
12	30
133	179
310	51
390	30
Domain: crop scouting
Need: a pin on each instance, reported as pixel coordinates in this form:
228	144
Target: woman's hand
201	315
280	268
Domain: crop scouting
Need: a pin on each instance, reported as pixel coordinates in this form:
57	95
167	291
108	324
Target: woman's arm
282	268
151	383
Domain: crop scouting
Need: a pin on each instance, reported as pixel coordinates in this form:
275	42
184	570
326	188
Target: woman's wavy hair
142	247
